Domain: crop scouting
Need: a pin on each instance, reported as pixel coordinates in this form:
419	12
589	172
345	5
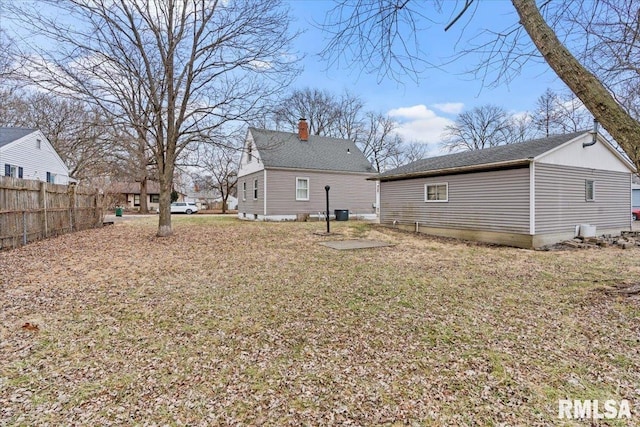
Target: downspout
264	191
532	198
594	133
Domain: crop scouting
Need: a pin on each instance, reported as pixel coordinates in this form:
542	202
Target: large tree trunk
618	122
225	196
144	208
166	186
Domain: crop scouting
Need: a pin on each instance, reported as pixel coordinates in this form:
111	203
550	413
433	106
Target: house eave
458	170
281	168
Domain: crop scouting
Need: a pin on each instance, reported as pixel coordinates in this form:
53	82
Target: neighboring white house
232	202
28	154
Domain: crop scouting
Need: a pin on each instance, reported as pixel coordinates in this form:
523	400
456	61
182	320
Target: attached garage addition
524	195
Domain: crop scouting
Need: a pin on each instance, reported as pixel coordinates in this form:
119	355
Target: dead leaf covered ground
242	323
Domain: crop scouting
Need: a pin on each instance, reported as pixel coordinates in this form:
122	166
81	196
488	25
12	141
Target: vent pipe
594	134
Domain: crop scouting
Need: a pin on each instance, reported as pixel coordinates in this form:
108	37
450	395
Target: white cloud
449	107
419	124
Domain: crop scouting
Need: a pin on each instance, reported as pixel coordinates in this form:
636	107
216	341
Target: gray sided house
526	195
283	175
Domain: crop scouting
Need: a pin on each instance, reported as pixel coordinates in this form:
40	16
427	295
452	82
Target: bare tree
592	47
521	128
379	142
573	116
546	115
168	71
326	113
343	117
482	127
349	122
220	166
79	135
558	113
6	60
408	153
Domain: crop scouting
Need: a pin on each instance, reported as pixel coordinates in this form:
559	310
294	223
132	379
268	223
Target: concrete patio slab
343	245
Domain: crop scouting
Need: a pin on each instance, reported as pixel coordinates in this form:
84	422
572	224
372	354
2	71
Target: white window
249	153
255	189
38	144
436	192
302	188
244	190
589	190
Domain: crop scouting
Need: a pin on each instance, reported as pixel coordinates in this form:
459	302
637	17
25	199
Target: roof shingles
487	156
8	135
286	150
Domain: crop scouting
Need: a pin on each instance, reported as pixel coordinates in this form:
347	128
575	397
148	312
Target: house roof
286	150
153	187
8	135
502	155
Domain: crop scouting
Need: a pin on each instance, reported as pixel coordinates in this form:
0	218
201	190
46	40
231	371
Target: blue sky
423	108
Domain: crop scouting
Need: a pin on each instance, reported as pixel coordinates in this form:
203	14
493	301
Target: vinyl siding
494	201
348	191
560	198
36	162
250	206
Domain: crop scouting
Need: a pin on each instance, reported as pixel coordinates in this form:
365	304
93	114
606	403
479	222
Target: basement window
436	192
589	190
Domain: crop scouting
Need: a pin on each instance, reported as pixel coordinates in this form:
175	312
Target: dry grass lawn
240	323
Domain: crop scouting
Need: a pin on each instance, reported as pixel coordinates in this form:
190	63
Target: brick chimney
303	130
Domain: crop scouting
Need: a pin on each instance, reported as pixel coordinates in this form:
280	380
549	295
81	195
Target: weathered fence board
33	210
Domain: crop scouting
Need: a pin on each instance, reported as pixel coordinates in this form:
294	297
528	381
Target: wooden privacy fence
33	210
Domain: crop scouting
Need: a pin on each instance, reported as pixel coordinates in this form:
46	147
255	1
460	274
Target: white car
184	207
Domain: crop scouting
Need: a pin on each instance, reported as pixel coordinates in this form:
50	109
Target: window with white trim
13	171
244	190
438	192
589	190
255	189
302	188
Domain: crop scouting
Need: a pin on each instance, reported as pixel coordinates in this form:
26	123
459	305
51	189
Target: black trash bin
341	214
